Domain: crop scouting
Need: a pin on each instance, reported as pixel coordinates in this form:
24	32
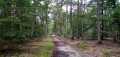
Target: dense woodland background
96	19
26	26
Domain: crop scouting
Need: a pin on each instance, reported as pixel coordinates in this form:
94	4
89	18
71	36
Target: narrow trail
64	50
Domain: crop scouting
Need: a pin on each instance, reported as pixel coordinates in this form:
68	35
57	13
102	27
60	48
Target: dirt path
64	50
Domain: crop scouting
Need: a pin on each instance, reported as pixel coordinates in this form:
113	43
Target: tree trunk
46	19
71	35
33	24
78	19
20	17
98	22
33	21
102	21
66	20
82	19
58	16
117	21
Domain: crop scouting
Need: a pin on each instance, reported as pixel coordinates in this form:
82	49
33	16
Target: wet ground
64	50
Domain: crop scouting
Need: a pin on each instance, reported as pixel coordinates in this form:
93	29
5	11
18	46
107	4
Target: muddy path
62	49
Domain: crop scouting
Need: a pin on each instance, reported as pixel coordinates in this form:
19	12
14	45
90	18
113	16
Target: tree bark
117	21
71	34
46	19
78	19
58	16
66	20
82	19
102	20
33	21
98	22
20	17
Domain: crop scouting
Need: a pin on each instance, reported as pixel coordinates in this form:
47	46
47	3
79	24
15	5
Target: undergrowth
41	48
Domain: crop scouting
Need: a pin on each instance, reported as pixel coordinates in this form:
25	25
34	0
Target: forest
59	28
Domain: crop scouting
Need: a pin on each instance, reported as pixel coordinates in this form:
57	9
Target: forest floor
63	49
107	49
33	48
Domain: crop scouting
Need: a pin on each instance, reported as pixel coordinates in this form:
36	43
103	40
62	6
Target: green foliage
8	27
45	49
39	30
16	19
41	48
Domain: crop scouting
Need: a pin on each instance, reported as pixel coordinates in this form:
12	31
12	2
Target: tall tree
98	22
66	20
71	33
20	17
83	13
78	18
116	19
33	20
102	27
46	18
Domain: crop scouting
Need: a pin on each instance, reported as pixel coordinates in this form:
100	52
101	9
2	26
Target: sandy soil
107	49
64	50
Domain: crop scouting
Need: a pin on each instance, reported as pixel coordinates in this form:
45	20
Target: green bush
9	27
39	30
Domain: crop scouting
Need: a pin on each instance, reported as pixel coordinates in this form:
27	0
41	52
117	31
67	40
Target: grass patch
82	46
105	55
42	48
41	53
112	54
45	49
